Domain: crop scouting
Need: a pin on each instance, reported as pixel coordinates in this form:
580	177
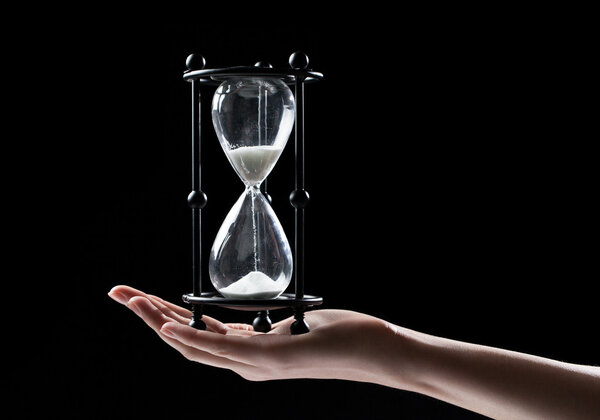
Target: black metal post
196	200
299	199
299	192
265	193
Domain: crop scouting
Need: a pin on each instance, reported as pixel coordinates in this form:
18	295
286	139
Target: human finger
234	347
282	327
175	308
240	326
145	309
212	324
243	333
154	318
123	294
160	305
240	329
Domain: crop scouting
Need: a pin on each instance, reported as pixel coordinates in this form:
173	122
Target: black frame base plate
286	300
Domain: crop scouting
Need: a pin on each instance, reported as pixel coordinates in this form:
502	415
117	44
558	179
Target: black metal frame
296	75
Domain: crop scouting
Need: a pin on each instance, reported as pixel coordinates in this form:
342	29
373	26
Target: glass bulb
251	256
253	118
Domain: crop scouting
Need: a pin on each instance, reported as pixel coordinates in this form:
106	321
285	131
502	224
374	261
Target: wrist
391	356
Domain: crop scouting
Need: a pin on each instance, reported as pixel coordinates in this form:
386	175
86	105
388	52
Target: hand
340	345
348	345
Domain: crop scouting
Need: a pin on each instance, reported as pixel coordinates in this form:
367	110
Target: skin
348	345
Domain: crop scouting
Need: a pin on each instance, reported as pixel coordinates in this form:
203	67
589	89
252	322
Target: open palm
335	345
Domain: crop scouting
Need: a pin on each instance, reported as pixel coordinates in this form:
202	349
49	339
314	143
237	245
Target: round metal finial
299	198
263	64
195	62
197	200
298	61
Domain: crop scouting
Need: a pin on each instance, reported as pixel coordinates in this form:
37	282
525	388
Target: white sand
254	285
254	163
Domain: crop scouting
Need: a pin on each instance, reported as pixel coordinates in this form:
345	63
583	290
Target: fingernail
168	332
118	297
134	308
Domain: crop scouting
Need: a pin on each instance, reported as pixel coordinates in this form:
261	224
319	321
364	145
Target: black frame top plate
216	76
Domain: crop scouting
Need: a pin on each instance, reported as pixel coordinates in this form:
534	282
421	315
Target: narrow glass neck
253	189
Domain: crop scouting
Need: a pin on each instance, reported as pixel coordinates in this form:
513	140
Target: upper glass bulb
253	118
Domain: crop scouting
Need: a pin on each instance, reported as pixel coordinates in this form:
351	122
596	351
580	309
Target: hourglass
251	262
251	257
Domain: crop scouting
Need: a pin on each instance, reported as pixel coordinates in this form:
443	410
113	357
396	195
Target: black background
450	193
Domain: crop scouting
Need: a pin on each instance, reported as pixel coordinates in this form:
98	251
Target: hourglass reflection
251	256
251	262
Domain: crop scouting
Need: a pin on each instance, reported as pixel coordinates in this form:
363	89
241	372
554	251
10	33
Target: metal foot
262	322
197	321
299	326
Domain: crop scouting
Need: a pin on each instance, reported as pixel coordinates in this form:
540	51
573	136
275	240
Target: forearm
494	382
